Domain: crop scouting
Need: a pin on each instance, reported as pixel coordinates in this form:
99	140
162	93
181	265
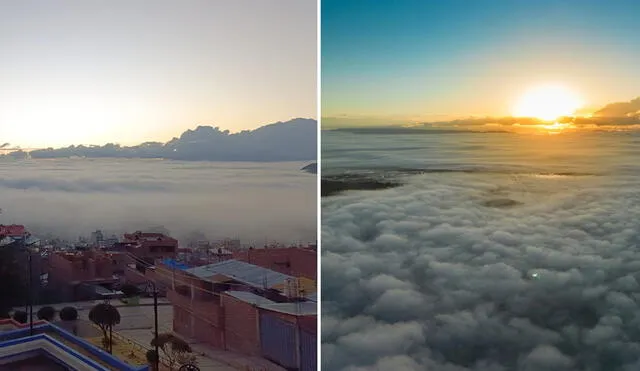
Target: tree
105	316
13	290
152	356
174	348
47	313
69	314
20	316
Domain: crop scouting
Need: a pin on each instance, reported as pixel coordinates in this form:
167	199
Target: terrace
54	343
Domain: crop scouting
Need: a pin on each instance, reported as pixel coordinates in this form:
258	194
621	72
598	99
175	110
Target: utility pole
155	315
155	327
30	296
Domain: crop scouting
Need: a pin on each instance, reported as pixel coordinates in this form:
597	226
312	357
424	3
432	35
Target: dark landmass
390	177
311	168
501	203
294	140
334	186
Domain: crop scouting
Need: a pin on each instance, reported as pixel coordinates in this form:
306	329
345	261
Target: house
85	274
293	261
149	246
243	307
15	234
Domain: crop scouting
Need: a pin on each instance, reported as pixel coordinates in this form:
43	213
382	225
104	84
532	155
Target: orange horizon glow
547	102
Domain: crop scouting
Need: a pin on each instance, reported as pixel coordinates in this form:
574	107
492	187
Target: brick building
13	230
25	249
70	271
242	307
292	261
149	246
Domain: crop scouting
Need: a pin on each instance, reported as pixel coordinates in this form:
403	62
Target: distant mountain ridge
311	168
294	140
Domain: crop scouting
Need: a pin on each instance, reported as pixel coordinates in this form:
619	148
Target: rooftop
249	297
246	273
295	309
27	239
143	236
175	264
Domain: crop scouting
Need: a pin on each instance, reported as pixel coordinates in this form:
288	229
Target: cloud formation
72	197
612	117
426	277
620	109
294	140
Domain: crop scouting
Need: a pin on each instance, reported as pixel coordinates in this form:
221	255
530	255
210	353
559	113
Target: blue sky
402	59
92	72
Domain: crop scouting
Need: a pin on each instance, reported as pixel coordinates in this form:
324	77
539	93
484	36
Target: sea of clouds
433	276
72	197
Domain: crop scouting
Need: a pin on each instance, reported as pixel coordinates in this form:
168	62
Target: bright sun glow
547	102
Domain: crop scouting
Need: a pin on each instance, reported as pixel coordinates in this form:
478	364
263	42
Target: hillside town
208	305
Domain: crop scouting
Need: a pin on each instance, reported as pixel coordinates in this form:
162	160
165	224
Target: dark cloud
427	277
293	140
72	197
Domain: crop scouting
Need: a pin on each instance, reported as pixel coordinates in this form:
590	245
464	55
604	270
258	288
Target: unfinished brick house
69	271
243	307
292	261
149	246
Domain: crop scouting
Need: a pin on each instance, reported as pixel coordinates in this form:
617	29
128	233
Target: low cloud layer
618	116
250	201
294	140
427	277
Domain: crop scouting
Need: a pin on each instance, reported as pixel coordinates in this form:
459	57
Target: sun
547	102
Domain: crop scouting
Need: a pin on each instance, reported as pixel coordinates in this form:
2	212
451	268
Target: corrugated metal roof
29	240
296	309
299	309
249	297
6	241
249	274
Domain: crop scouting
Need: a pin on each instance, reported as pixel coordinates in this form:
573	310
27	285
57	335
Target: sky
385	61
78	72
